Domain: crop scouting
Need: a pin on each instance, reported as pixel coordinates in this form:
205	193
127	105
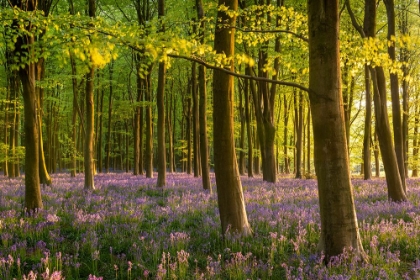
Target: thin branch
261	79
356	25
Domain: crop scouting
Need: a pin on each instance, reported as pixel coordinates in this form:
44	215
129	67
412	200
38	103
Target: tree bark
160	100
339	228
395	96
149	129
229	188
367	137
110	99
248	127
299	132
204	149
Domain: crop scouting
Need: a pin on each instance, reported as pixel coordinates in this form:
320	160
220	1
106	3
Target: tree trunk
395	96
229	188
149	129
285	136
195	119
416	140
367	172
24	47
169	128
395	187
204	146
308	143
339	228
241	163
89	137
160	100
248	127
299	135
108	138
39	76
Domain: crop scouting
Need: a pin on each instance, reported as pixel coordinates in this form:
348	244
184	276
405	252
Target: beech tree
24	51
339	229
229	187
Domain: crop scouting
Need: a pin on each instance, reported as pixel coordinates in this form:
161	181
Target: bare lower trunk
367	172
229	188
161	180
89	137
395	186
339	227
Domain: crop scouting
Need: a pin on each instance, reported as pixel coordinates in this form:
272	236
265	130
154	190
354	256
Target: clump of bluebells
129	229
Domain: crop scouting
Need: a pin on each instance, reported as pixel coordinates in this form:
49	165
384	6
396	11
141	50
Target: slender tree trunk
416	141
195	121
395	96
89	137
308	143
204	147
39	76
339	227
100	137
299	138
188	137
286	136
248	127
160	100
169	112
108	138
229	188
367	172
149	129
241	163
395	187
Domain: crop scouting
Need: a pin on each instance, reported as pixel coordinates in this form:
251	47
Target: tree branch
261	79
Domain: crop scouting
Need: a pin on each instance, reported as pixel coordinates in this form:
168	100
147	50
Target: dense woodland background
125	102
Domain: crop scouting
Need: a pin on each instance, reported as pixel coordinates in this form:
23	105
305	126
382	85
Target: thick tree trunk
339	227
367	166
33	198
229	188
169	112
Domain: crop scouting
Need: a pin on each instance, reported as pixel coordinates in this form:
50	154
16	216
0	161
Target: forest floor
129	229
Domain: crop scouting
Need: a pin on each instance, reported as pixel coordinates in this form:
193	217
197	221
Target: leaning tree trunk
339	228
393	179
229	188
